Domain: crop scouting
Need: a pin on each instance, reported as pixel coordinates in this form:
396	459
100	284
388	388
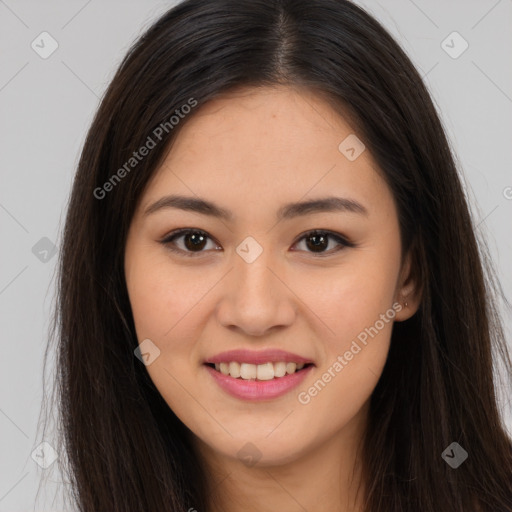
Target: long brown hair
125	449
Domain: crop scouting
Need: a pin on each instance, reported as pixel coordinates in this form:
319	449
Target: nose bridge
255	299
253	260
255	285
255	280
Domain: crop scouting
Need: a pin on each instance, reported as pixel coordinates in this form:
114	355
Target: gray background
46	106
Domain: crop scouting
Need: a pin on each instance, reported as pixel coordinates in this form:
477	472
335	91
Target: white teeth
266	371
224	368
234	369
248	371
279	369
291	367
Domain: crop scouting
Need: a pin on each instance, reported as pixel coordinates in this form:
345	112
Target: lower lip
257	390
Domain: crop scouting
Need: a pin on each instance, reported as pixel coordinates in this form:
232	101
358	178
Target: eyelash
168	241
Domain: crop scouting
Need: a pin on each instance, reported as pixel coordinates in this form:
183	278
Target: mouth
258	382
259	372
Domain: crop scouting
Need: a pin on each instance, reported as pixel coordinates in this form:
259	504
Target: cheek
168	306
150	305
354	352
165	306
162	299
352	297
356	306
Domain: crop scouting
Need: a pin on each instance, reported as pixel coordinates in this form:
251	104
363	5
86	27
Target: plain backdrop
47	104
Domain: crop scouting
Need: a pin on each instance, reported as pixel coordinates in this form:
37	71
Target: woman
271	296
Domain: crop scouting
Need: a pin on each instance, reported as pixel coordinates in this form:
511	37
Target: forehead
257	145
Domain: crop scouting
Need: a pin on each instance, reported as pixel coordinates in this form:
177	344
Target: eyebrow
286	212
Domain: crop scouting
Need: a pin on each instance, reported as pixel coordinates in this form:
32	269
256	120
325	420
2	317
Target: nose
256	298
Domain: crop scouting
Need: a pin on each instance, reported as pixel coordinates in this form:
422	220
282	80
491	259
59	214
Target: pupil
321	242
196	240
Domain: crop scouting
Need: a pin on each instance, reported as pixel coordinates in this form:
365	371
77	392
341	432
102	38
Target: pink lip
258	390
260	357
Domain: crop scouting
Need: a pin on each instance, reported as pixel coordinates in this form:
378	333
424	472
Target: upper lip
257	357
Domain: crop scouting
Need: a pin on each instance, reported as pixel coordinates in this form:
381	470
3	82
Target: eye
318	241
195	240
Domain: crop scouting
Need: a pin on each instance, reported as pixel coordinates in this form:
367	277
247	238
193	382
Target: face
323	282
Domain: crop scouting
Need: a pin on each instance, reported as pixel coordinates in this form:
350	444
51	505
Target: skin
251	152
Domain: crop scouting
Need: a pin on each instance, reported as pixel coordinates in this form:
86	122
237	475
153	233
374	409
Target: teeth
291	367
224	368
234	369
266	371
248	371
279	369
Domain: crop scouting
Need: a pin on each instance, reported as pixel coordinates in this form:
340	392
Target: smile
248	385
265	371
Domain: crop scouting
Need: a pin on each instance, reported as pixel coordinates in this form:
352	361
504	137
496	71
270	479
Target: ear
408	292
